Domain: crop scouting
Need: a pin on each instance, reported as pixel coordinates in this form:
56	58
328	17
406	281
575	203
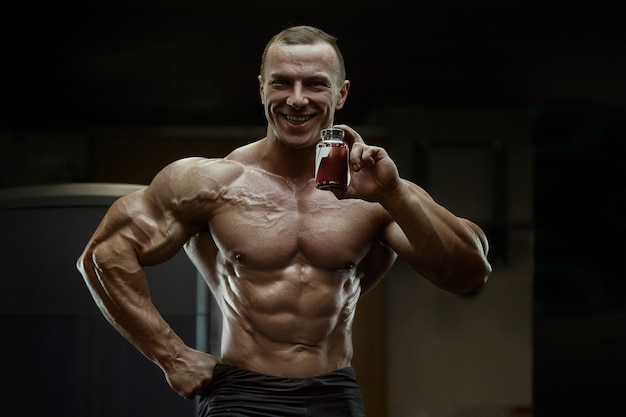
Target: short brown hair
306	35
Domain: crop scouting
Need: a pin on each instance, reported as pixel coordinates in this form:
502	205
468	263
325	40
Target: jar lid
332	131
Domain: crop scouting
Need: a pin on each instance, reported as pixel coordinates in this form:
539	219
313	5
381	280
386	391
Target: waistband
225	374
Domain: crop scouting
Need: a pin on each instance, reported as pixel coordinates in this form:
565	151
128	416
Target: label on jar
331	164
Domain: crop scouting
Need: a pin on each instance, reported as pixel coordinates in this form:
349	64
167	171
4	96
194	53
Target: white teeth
297	119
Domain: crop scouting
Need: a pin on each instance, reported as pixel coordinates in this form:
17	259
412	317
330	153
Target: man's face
300	92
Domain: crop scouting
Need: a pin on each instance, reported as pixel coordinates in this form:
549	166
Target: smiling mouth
296	120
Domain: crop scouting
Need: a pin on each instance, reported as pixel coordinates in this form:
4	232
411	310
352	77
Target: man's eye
317	84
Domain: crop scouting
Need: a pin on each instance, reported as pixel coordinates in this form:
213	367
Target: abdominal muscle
294	322
284	267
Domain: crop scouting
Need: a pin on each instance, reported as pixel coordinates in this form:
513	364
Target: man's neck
295	164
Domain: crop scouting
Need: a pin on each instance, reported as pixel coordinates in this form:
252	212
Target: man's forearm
121	293
448	250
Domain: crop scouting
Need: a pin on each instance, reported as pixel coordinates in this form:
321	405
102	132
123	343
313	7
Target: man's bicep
152	230
112	245
394	237
175	206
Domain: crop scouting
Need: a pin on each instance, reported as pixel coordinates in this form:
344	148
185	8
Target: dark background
192	63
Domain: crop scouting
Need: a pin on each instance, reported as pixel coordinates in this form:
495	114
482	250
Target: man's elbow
474	277
87	265
80	264
467	277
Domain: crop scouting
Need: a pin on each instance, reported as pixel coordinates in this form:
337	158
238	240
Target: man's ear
343	95
260	78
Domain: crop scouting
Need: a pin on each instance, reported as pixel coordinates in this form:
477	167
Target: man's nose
297	99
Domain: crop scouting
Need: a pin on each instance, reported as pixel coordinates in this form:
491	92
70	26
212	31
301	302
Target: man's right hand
190	373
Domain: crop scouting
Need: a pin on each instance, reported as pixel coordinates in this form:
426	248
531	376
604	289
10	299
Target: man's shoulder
193	176
238	159
248	154
208	168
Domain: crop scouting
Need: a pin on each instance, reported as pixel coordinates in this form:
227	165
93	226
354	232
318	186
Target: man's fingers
355	157
362	155
369	156
352	136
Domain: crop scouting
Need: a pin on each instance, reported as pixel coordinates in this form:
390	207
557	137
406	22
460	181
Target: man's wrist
391	197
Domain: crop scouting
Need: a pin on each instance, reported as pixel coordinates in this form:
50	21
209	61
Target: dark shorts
238	392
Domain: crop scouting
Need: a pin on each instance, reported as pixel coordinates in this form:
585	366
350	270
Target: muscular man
286	262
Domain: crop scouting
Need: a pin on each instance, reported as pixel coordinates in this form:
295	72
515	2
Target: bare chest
268	224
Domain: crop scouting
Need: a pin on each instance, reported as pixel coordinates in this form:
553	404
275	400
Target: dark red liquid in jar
331	164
